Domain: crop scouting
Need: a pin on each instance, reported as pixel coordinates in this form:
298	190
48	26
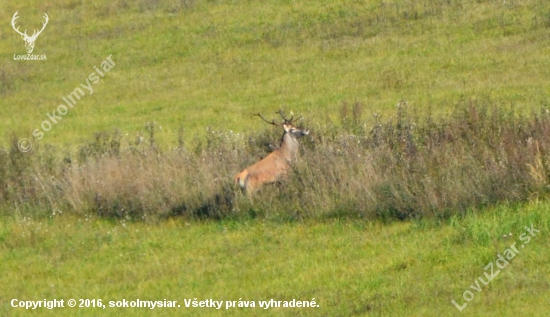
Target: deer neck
289	147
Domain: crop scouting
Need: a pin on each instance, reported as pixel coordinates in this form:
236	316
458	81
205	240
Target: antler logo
29	40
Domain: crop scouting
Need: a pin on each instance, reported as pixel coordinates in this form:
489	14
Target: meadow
350	268
428	156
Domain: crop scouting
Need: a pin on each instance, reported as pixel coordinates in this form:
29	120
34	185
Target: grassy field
350	268
192	64
393	211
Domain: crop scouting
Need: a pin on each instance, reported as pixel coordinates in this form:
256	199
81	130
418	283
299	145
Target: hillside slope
192	64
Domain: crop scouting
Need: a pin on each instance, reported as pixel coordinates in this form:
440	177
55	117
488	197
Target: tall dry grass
412	167
398	167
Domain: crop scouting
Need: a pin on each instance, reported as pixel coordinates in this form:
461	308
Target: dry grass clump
411	167
402	167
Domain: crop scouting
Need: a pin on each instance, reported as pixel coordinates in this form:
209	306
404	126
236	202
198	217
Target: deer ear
287	127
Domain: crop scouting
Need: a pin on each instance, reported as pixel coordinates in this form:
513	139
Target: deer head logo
29	40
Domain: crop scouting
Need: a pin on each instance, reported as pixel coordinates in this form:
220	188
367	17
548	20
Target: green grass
194	64
350	267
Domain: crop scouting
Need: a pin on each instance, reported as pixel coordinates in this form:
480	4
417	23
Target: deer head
289	142
29	40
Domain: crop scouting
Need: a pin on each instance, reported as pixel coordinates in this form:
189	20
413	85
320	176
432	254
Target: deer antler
24	34
281	113
272	121
300	117
43	26
15	17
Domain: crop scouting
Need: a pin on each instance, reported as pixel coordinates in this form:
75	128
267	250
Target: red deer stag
276	164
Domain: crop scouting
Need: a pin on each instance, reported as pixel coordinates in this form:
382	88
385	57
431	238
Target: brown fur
274	167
